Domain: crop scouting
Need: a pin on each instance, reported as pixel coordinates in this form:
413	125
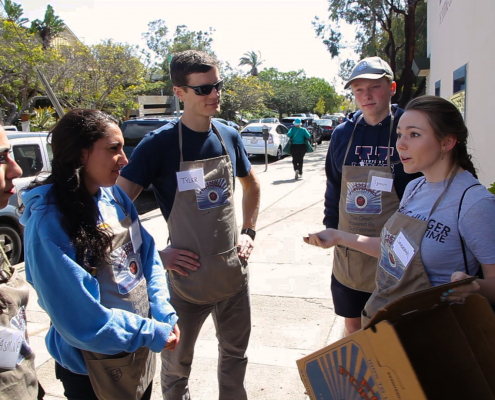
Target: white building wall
463	32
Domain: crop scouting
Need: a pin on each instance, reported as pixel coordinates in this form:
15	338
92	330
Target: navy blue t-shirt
156	159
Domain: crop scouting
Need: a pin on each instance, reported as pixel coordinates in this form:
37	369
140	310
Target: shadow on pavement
283	182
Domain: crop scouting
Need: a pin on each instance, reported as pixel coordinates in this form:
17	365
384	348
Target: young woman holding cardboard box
442	231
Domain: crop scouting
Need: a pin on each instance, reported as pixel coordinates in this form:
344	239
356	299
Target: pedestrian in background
442	220
95	269
360	151
299	138
17	375
207	259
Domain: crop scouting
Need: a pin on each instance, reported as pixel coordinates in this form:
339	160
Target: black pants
298	151
78	387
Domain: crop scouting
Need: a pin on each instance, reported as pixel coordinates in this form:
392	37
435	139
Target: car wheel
11	242
319	141
280	154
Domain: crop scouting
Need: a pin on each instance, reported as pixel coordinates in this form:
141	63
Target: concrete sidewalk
292	310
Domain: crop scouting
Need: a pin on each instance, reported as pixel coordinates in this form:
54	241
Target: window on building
460	79
438	84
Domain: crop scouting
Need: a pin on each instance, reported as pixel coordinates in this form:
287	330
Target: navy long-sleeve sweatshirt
368	148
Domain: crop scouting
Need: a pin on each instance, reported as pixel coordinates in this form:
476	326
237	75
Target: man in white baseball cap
361	149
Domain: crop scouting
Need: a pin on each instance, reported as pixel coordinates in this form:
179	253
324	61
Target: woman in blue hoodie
95	269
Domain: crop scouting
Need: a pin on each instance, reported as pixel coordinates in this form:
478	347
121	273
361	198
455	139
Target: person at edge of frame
361	155
17	381
192	164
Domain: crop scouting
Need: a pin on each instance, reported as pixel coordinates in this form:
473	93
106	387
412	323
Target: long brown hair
77	130
446	120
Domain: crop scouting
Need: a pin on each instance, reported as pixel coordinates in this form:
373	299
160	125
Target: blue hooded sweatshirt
368	148
71	296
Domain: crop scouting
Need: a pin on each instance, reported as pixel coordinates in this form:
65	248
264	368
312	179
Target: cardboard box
416	348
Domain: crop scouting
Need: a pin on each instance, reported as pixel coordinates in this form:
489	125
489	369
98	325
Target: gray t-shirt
441	249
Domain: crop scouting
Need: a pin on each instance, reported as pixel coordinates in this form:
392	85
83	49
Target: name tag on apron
383	184
10	347
403	249
383	181
135	233
191	180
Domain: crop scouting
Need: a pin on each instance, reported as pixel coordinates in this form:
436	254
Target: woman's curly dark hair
77	130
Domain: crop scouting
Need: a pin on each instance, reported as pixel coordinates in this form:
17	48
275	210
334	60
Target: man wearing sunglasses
192	165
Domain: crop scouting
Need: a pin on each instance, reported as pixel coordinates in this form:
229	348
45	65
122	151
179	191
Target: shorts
348	302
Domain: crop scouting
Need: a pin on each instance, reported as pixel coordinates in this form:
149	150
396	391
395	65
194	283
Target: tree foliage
294	92
392	29
161	48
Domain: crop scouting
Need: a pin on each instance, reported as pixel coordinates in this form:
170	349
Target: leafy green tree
49	28
294	92
161	47
20	52
392	29
245	95
253	60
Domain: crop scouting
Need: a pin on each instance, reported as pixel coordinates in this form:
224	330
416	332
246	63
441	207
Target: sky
280	29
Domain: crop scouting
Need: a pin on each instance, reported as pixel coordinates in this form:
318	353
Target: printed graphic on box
343	374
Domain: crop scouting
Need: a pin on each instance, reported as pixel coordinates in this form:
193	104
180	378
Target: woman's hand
459	294
325	239
173	339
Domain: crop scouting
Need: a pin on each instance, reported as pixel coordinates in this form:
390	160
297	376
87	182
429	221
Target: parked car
252	137
34	155
234	125
325	128
10	128
135	129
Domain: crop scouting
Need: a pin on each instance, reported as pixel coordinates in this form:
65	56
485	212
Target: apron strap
392	118
460	236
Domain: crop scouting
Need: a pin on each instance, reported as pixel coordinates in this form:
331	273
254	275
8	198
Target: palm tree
49	28
253	60
14	12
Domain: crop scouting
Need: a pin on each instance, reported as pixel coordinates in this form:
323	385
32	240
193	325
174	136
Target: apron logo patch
388	259
19	322
116	374
126	268
215	194
361	199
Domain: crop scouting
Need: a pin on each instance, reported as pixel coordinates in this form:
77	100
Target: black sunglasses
205	90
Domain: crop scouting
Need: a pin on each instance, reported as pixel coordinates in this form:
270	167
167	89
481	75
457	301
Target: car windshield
324	122
268	120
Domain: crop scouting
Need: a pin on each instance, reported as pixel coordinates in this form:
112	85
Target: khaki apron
203	221
363	211
393	278
19	383
122	285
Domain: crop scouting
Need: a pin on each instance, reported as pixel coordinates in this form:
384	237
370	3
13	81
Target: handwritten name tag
403	249
10	347
191	180
383	184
